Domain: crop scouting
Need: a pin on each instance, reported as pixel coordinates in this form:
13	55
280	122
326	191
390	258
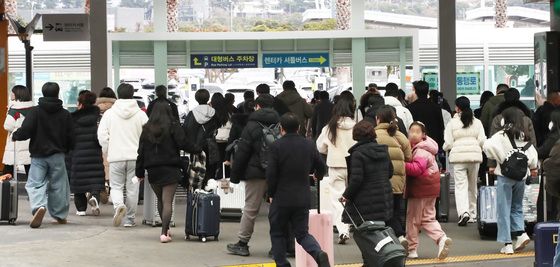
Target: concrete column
358	66
402	62
160	62
357	21
447	48
98	45
160	15
116	64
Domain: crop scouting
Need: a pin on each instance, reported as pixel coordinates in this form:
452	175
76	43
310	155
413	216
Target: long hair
513	124
467	116
218	102
386	114
344	107
159	123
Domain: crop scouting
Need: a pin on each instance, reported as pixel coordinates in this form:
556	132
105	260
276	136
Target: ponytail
467	117
393	128
386	114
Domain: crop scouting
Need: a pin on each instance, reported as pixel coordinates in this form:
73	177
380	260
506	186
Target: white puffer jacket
402	112
337	153
465	144
14	120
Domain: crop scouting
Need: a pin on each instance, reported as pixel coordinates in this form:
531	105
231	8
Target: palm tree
87	6
500	7
11	10
172	14
342	14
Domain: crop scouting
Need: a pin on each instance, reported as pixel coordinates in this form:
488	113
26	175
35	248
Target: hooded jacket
552	168
49	126
247	161
464	144
498	147
369	187
104	103
399	152
489	110
87	173
322	113
200	124
14	119
297	105
172	105
337	153
119	130
423	172
402	112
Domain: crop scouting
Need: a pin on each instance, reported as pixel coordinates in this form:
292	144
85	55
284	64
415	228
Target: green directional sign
295	60
468	83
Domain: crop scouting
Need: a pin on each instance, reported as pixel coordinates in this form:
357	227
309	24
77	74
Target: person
391	99
334	141
20	105
201	127
486	95
296	104
545	153
279	106
402	97
369	104
553	136
437	97
372	88
510	192
248	96
370	170
422	189
49	128
290	160
119	134
247	167
161	94
229	99
222	117
321	114
105	101
159	148
541	118
512	102
464	138
400	152
491	106
87	173
427	112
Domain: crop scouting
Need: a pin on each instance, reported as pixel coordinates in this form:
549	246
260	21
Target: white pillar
357	20
447	48
160	15
98	45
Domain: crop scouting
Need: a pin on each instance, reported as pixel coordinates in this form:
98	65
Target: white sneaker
507	249
413	254
443	247
522	241
94	206
119	214
129	224
81	213
464	219
403	242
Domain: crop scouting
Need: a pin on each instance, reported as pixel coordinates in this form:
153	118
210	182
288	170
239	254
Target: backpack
270	134
516	163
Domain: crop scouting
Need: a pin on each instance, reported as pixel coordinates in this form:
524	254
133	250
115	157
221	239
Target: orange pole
3	74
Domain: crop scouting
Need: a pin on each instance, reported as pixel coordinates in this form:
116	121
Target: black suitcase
9	197
442	203
203	215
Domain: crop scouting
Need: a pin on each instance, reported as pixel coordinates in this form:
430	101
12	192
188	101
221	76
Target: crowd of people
384	154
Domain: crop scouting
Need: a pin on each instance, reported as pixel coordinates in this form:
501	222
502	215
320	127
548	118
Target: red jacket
423	176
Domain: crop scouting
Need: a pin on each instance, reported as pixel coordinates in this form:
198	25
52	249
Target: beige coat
399	152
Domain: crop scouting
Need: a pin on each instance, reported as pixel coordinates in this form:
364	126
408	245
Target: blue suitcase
487	213
203	215
546	239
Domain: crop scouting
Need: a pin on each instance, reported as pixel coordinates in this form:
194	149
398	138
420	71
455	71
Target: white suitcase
151	214
232	196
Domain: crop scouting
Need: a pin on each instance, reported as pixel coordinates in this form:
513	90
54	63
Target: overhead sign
65	27
224	61
468	83
296	60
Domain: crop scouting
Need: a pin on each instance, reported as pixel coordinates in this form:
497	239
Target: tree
11	10
172	15
500	7
324	25
343	14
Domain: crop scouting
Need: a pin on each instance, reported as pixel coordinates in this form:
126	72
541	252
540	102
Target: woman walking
335	140
87	173
400	152
464	138
19	106
105	101
159	153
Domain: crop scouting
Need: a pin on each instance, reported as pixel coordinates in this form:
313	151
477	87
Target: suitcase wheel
187	237
203	239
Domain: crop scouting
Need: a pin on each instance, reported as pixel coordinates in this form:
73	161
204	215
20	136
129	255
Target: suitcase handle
348	214
318	195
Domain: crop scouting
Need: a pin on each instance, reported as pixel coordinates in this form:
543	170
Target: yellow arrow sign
319	60
197	62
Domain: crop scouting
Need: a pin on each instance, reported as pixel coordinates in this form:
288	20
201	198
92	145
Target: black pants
10	169
551	206
81	201
397	221
165	195
279	218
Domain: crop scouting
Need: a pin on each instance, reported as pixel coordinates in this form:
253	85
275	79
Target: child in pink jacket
422	189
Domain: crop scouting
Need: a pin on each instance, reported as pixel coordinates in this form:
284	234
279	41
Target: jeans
121	174
466	190
509	195
47	185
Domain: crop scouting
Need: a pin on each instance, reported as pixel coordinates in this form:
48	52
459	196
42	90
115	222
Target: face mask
550	126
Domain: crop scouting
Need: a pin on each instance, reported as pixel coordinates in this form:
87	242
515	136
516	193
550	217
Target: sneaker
164	239
404	242
342	239
94	206
464	219
61	221
472	220
129	224
522	241
413	254
38	218
323	259
119	214
239	249
443	247
81	213
507	249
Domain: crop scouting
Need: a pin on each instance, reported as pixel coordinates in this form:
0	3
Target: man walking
119	134
49	126
290	160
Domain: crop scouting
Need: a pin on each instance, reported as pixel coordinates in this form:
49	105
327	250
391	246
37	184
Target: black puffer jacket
369	184
87	173
247	161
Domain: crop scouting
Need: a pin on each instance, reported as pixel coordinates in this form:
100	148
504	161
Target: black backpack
516	163
270	133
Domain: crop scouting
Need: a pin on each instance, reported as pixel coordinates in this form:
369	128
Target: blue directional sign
224	61
295	60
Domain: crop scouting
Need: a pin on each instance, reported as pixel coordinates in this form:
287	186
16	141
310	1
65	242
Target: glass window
129	15
71	83
520	77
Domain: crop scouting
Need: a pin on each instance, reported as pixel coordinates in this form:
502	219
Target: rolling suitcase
203	215
320	227
9	196
486	210
151	213
232	197
442	203
546	239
